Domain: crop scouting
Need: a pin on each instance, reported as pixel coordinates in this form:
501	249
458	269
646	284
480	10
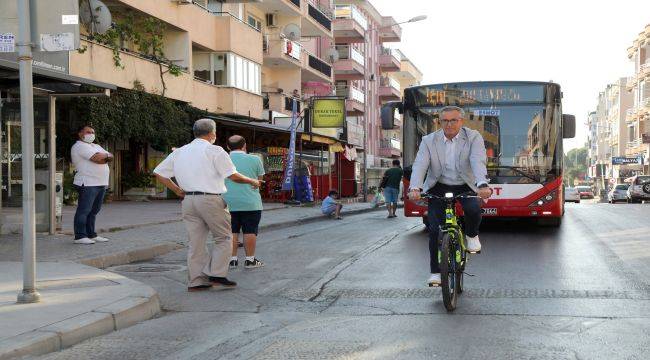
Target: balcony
350	24
389	60
315	69
291	8
389	89
281	52
350	65
390	148
354	134
389	32
630	83
279	103
355	104
316	21
630	115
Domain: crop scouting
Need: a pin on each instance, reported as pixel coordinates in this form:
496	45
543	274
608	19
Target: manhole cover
148	268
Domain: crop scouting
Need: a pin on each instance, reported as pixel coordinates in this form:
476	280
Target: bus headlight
544	199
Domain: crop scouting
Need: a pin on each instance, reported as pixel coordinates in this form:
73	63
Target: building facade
638	117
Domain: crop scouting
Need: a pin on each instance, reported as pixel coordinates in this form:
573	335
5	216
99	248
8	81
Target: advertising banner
287	181
328	113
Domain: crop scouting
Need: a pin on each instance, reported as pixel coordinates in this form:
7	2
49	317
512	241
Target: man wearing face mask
200	169
91	179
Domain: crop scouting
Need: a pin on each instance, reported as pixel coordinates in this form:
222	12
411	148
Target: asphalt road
355	289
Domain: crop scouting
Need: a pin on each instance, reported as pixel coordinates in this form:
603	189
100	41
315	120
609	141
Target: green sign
328	113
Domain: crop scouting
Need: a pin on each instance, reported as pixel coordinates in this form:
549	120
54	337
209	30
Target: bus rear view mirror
388	114
568	126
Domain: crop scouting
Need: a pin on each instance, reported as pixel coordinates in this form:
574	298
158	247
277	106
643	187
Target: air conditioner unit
184	2
271	20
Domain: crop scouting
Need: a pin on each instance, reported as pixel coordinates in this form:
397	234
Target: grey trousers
203	213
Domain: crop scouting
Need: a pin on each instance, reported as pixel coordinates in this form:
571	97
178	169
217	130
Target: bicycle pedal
468	274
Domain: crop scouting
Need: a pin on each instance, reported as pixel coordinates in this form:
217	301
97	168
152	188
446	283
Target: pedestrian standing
391	182
332	205
200	169
90	180
244	202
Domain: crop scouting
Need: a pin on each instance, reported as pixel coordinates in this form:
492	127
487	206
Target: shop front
48	87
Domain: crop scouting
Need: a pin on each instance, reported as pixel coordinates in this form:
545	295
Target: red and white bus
522	125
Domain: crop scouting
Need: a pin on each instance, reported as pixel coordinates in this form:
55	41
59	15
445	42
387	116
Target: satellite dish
291	32
95	15
333	54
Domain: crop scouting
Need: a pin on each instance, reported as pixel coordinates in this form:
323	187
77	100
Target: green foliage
70	194
138	180
137	115
147	33
575	164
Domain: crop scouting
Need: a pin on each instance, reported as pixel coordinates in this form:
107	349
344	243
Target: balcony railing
351	93
225	13
390	144
634	144
320	65
388	81
351	12
392	52
644	67
646	102
348	52
320	15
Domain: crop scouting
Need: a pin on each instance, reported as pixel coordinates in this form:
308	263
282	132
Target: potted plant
139	186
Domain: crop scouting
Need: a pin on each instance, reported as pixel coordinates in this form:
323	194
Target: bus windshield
520	125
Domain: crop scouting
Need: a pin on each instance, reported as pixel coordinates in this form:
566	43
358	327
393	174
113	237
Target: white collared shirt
450	175
88	173
198	166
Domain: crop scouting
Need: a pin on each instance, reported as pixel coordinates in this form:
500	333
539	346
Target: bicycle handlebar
468	194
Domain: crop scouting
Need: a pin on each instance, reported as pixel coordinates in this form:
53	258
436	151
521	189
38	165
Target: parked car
585	192
618	193
639	189
571	194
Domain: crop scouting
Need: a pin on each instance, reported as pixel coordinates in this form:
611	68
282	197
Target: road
354	289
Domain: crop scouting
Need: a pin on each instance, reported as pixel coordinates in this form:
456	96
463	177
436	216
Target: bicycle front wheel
448	272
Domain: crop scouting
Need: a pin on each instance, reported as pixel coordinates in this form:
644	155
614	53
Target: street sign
620	160
487	112
7	42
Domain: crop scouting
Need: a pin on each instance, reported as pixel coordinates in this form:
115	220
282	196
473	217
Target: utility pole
24	45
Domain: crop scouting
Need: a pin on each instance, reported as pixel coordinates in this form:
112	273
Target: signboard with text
619	160
328	112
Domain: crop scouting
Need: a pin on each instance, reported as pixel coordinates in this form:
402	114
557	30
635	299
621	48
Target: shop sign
619	160
328	113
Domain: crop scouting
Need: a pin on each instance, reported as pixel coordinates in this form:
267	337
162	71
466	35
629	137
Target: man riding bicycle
453	161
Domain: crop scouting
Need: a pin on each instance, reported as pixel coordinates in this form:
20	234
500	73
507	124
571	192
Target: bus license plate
489	211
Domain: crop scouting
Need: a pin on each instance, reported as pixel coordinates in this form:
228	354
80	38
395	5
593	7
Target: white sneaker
473	245
434	279
99	239
84	241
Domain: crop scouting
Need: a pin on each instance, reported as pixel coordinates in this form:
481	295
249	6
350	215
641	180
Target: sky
581	45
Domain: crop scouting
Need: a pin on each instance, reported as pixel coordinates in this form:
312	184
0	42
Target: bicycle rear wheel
448	273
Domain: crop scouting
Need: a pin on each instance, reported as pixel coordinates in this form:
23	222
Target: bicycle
452	254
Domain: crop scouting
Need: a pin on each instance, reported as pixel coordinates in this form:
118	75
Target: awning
49	80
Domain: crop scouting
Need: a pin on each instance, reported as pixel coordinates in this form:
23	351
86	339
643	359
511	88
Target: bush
138	180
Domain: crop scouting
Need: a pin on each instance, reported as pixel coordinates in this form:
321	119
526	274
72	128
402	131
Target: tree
575	164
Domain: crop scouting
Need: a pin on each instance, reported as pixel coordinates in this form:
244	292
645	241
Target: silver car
618	193
639	189
571	194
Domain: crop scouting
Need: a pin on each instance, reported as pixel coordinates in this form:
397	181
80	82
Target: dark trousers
90	202
472	218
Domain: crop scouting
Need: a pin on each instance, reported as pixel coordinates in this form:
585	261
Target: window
215	5
228	69
254	22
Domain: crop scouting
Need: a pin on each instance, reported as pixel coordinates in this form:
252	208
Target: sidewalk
78	302
145	241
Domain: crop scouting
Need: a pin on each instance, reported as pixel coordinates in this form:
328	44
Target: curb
130	256
63	334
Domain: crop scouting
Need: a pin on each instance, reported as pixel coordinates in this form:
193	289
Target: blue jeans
472	218
90	202
391	195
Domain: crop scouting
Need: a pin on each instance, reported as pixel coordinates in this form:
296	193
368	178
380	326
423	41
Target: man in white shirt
200	170
91	179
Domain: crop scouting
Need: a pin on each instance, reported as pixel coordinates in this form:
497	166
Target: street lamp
366	98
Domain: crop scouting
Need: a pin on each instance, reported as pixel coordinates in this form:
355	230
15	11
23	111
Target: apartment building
638	117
